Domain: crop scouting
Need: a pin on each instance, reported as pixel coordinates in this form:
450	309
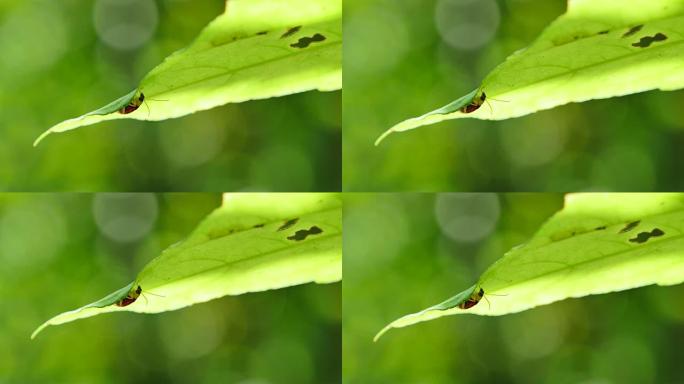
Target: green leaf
257	49
598	49
253	242
598	243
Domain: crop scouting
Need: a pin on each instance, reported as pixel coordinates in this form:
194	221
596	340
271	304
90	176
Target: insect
130	298
133	105
475	104
474	298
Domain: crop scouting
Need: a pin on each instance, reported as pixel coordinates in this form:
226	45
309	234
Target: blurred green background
403	58
404	253
61	251
63	58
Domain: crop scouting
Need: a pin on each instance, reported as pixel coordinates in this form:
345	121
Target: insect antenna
491	110
147	106
489	305
501	100
149	293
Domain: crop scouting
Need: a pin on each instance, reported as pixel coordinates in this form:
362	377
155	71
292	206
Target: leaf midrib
589	261
267	222
582	68
261	255
245	67
639	218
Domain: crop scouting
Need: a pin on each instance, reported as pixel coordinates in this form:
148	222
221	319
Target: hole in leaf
304	233
633	30
643	237
630	226
288	224
291	31
646	41
306	41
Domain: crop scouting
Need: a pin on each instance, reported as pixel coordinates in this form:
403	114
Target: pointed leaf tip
383	136
449	111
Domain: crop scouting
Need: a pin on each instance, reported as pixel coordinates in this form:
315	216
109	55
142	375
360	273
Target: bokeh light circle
192	148
467	217
125	217
467	24
125	24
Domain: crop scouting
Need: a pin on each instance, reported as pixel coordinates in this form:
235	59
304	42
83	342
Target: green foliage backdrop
414	250
411	56
61	250
285	144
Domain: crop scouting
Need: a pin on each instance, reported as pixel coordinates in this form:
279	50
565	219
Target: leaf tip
41	137
383	136
38	330
382	332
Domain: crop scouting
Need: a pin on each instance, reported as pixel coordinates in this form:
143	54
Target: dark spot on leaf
306	41
262	33
291	31
646	41
643	237
258	226
630	226
288	224
601	228
633	30
603	32
303	233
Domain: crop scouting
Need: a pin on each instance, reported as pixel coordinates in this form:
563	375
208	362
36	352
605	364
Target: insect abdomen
133	105
472	300
130	298
475	104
